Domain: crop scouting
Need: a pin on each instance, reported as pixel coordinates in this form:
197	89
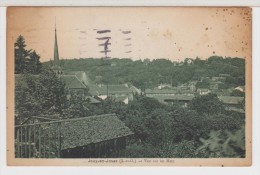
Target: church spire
56	51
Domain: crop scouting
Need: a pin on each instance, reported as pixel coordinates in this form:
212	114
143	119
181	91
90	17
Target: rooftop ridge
71	119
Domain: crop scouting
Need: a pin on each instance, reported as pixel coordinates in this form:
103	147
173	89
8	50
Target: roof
202	90
93	129
231	99
160	91
113	89
92	100
121	98
163	98
240	87
72	82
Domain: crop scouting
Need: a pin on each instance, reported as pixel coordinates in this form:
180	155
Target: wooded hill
149	73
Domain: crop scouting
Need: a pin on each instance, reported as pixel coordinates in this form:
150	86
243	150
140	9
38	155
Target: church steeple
56	51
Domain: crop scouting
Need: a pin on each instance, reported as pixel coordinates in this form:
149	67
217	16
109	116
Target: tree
26	103
39	95
237	93
21	54
207	104
51	92
203	84
26	61
33	64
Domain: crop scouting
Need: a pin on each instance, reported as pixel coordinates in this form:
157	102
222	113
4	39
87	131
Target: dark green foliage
203	84
33	64
237	93
223	144
207	104
150	73
21	55
174	131
51	91
26	61
37	95
26	99
140	151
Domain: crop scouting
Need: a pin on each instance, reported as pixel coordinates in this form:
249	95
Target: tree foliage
42	94
26	61
207	104
150	73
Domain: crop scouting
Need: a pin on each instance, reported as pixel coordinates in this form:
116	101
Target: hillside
151	73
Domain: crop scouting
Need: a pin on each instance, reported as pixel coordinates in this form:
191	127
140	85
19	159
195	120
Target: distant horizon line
176	60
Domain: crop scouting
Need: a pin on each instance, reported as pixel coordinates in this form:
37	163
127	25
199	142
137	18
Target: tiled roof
93	89
231	99
93	129
72	82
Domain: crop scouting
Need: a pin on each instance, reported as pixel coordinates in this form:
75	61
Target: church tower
56	50
56	63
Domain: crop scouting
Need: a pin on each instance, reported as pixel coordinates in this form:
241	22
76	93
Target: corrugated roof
72	82
92	129
231	99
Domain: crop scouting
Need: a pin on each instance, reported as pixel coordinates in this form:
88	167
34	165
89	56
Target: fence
38	140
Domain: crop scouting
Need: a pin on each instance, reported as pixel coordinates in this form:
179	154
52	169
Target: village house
114	91
92	100
214	85
162	86
98	136
240	88
182	100
203	91
164	92
233	103
74	85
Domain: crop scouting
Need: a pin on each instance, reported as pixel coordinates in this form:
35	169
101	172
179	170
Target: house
162	86
114	91
92	100
87	137
123	99
165	92
182	100
188	61
233	103
240	88
74	85
214	85
81	75
189	86
93	137
203	91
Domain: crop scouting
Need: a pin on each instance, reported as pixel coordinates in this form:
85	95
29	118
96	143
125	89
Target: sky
173	33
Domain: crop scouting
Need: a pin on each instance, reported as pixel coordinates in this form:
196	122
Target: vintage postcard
129	86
